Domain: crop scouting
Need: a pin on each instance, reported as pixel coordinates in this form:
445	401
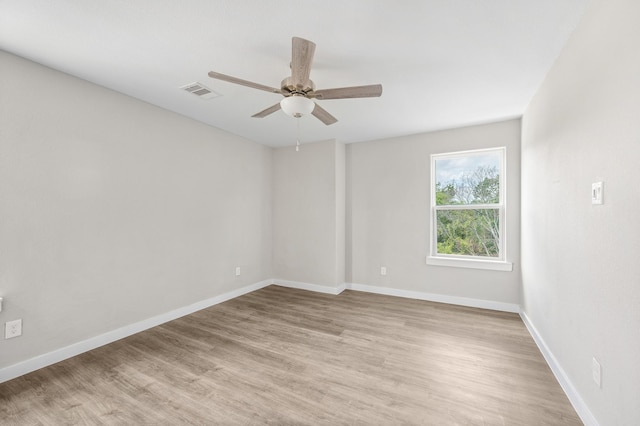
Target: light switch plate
597	190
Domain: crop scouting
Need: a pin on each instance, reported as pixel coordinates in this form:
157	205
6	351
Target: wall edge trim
563	379
44	360
24	367
309	286
440	298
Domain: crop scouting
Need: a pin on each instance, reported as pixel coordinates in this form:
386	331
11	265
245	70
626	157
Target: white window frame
461	261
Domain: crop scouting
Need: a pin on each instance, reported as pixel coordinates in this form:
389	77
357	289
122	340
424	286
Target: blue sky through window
454	168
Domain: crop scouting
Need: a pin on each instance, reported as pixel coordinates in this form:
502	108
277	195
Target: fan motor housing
289	88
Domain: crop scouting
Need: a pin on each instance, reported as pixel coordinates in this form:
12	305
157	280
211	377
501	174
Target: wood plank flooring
290	357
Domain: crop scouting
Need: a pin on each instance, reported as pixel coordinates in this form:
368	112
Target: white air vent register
200	90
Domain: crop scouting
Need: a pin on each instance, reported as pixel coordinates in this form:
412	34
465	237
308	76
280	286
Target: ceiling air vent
200	90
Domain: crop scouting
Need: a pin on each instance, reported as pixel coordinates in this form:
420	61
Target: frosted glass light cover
297	105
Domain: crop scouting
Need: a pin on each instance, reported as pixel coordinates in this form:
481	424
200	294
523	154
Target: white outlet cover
13	329
596	372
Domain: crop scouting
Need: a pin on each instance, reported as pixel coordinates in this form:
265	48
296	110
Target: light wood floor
282	356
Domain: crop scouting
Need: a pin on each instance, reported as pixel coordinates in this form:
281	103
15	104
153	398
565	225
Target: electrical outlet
237	271
596	372
383	270
12	329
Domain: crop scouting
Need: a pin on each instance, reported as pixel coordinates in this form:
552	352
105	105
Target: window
468	209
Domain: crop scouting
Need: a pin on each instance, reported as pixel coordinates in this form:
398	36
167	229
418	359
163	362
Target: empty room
320	213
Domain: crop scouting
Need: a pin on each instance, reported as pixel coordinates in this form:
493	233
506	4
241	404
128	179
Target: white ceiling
442	63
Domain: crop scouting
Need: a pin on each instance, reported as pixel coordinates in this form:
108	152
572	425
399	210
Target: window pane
468	232
469	179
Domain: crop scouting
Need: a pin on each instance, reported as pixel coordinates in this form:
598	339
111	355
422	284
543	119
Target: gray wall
388	187
113	211
580	262
308	214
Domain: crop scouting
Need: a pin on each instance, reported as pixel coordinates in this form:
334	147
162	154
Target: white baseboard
61	354
574	397
311	287
24	367
441	298
432	297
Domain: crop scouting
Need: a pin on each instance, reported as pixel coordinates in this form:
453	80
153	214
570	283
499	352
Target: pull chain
298	136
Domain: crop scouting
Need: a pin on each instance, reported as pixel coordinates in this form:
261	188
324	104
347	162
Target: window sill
492	265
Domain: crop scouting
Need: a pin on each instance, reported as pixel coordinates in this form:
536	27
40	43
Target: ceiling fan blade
322	115
241	82
267	111
301	58
371	91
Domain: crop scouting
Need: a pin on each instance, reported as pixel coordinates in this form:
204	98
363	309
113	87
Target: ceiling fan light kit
297	105
299	91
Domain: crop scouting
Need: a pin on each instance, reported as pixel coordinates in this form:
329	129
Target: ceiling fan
298	90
